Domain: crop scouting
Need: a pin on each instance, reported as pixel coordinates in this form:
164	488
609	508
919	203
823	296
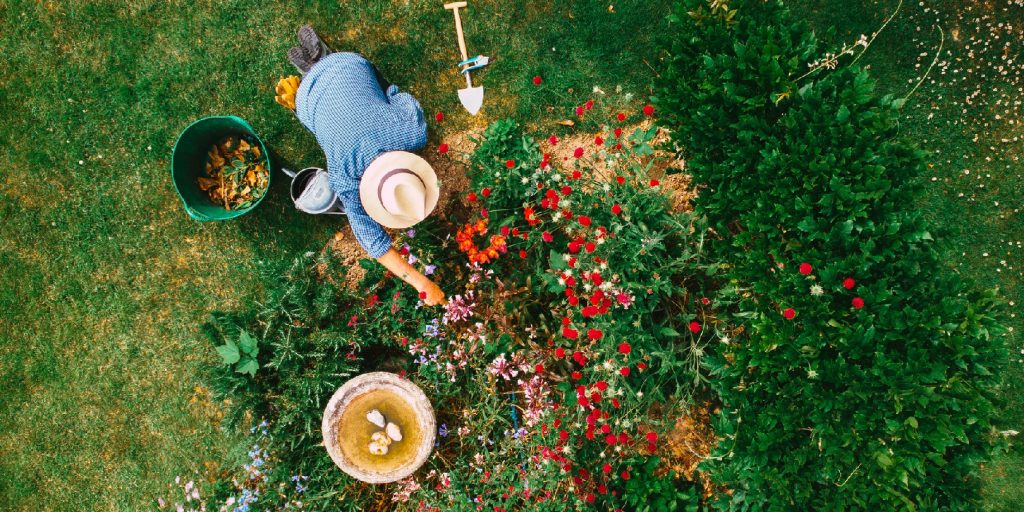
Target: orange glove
286	89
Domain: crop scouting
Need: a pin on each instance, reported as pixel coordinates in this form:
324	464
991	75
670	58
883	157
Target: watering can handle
290	173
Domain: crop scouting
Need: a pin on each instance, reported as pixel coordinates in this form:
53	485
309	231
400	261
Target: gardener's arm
377	244
401	268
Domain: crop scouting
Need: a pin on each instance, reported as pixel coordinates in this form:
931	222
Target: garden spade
471	97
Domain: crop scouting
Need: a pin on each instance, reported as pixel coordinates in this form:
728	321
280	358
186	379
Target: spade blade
472	99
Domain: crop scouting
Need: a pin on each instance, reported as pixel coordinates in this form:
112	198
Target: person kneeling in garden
367	130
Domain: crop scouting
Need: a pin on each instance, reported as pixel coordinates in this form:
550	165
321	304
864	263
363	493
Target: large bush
862	376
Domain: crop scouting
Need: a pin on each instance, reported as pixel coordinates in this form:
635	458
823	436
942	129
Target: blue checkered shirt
354	121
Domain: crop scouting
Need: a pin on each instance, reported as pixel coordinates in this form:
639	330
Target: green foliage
241	355
887	406
647	491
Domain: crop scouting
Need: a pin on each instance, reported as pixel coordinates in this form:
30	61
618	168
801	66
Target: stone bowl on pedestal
347	431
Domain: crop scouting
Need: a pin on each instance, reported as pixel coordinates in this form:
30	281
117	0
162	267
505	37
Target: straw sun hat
398	189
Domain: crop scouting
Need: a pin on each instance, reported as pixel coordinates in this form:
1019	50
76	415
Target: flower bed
572	343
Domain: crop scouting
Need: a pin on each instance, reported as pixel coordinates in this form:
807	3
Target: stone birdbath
379	427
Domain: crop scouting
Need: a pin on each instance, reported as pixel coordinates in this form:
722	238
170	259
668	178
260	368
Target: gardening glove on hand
286	89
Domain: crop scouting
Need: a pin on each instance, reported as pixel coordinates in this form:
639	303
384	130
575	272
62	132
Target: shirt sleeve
405	106
370	235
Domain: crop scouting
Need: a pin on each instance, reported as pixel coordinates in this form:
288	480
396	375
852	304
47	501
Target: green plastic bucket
189	159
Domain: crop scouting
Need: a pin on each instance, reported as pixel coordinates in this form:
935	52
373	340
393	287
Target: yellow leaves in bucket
286	89
235	174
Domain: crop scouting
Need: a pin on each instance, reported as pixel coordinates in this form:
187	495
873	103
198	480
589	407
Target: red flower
849	283
590	497
577	375
789	313
694	327
539	368
579	111
705	301
566	190
607	468
858	302
510	163
471	196
618	132
616	209
621	116
576	174
648	110
602	385
559	352
570	333
641	366
805	268
598	140
552	140
594	334
547	236
563	435
439	116
443	148
652	437
610	439
625	475
590	247
522	253
620	180
624	371
578	153
625	348
537	80
486	192
423	295
589	104
655	183
584	220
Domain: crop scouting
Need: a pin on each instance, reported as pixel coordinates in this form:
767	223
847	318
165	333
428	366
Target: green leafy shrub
863	376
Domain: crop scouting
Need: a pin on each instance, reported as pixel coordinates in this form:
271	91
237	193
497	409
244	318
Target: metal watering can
312	194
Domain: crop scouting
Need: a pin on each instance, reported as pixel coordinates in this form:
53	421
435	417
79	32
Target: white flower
811	374
816	290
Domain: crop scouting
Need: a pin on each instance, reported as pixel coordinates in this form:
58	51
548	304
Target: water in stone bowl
348	433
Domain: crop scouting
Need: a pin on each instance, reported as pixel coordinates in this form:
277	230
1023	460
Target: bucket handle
289	172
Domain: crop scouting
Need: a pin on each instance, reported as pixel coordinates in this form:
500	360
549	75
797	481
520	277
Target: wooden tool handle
454	7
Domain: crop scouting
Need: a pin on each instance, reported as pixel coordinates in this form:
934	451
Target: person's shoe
300	58
312	43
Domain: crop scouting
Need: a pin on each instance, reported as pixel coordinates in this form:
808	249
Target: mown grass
105	280
967	115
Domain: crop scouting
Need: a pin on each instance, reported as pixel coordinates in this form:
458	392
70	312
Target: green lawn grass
105	280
